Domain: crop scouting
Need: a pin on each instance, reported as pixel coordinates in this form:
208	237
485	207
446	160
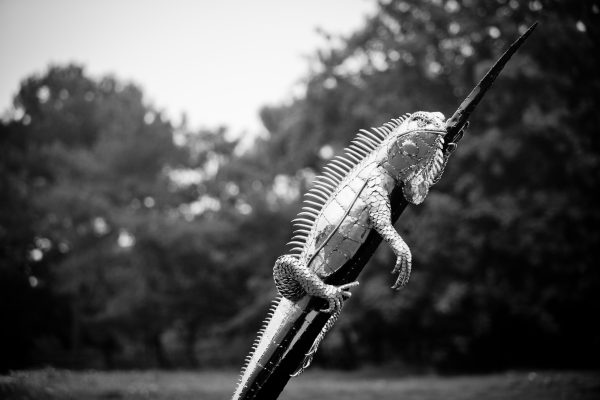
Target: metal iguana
345	215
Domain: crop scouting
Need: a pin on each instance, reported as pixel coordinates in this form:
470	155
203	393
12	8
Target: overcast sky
218	61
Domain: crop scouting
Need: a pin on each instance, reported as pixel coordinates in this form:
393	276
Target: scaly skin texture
349	201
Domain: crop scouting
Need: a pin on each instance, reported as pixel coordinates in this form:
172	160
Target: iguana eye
409	148
421	122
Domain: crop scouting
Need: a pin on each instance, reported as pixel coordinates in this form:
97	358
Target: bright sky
218	61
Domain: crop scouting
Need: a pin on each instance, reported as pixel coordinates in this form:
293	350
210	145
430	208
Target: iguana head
416	156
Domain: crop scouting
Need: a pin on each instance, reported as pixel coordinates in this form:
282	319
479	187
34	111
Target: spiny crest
259	336
365	142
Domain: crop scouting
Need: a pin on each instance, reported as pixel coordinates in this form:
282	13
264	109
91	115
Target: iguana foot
452	145
403	267
336	296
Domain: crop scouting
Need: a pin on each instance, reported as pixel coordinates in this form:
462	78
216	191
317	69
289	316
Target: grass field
49	384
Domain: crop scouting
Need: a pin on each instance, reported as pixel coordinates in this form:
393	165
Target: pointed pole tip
461	115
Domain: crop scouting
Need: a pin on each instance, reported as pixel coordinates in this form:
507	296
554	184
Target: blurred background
140	215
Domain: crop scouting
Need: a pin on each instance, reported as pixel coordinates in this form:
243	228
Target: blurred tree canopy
128	240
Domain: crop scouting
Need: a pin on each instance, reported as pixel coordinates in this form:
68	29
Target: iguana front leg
294	280
380	214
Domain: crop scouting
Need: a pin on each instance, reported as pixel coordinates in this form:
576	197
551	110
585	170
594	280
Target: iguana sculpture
346	213
351	198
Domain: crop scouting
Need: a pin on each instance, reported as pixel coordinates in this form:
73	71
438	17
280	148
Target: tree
134	227
100	166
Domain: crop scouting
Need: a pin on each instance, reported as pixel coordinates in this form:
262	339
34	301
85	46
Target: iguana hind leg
294	280
380	214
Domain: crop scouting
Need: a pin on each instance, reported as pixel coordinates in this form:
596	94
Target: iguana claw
451	148
459	136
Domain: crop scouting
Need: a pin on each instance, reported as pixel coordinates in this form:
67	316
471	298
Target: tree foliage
128	240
